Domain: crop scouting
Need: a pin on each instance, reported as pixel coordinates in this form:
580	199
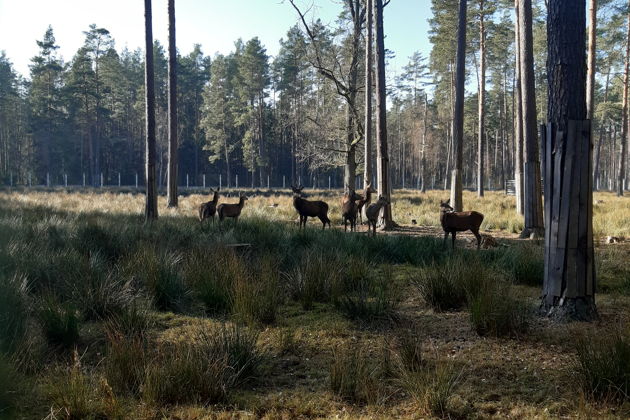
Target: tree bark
423	160
532	192
151	208
172	108
600	138
367	129
481	101
382	162
458	113
518	120
569	283
621	174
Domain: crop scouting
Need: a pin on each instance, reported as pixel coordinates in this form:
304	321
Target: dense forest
260	119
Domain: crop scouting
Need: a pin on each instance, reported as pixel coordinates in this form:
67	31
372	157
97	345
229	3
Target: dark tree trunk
367	128
382	163
621	174
518	120
532	192
151	208
458	114
172	107
569	283
482	101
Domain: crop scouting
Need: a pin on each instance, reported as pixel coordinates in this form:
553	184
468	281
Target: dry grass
530	376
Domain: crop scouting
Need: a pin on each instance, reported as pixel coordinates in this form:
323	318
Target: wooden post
84	179
136	179
220	181
47	179
204	180
102	180
236	181
283	182
187	181
119	179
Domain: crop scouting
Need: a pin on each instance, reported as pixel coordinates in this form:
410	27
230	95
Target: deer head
297	191
383	200
445	206
368	188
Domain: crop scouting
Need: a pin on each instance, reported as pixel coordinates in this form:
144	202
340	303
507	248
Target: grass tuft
59	321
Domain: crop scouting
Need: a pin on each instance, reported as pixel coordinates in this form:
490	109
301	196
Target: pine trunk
382	162
367	174
569	283
621	173
151	208
518	120
458	113
532	204
481	102
172	108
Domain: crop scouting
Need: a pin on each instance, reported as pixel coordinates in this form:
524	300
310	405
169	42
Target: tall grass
353	375
14	311
59	321
257	296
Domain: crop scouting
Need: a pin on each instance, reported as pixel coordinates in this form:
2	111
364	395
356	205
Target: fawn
373	211
208	209
231	210
459	221
308	208
349	209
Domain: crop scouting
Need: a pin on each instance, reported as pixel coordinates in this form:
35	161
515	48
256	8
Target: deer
307	208
459	221
366	200
373	211
349	209
231	210
208	209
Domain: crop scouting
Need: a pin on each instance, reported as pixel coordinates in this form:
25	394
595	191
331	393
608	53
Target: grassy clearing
169	319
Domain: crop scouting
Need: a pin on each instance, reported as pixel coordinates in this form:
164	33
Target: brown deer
308	208
459	221
373	211
208	209
349	209
231	210
366	200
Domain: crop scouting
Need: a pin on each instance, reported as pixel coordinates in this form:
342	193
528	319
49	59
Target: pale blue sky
213	24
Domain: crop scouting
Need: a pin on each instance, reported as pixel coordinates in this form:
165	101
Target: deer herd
352	206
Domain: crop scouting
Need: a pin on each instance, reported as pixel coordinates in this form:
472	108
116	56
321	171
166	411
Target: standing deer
208	209
373	211
366	200
308	208
349	209
231	210
459	221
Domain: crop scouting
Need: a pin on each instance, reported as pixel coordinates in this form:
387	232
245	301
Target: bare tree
151	208
172	108
458	114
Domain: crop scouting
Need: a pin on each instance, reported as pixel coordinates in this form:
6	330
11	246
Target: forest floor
343	325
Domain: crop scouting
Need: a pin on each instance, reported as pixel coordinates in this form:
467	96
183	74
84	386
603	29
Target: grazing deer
308	208
459	221
208	209
349	209
231	210
366	200
373	211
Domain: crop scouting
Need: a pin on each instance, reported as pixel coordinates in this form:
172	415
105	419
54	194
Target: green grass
14	311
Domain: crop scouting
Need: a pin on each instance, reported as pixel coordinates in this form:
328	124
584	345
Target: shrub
203	371
161	276
101	291
257	295
442	286
351	375
368	295
59	321
603	363
312	278
496	311
13	311
212	275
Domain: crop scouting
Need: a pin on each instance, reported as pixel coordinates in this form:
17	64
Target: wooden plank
546	138
585	197
573	274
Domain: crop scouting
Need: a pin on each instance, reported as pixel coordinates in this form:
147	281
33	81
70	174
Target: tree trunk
458	113
569	283
172	108
600	138
532	192
481	101
423	160
518	120
367	129
382	162
151	208
621	174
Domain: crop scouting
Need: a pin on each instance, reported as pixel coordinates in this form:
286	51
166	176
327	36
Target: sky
215	24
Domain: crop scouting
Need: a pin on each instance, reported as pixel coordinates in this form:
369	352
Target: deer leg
478	236
345	225
445	239
453	233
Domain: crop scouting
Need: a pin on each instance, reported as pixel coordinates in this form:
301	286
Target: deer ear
447	201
